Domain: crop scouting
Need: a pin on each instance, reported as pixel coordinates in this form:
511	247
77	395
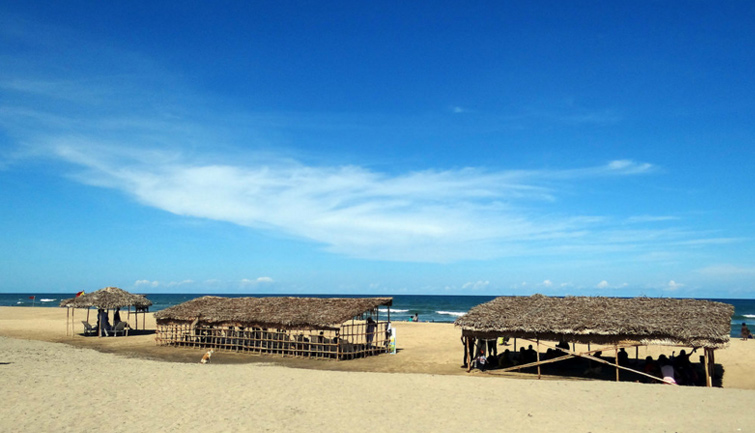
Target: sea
428	308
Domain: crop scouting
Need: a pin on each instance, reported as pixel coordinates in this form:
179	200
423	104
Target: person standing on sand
370	330
745	332
103	324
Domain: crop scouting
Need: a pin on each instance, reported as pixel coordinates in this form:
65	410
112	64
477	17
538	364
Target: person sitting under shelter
652	368
504	359
531	354
685	371
667	370
594	368
482	346
622	358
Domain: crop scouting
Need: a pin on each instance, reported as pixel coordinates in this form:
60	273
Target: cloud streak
426	216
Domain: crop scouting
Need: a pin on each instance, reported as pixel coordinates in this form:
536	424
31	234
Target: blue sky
581	148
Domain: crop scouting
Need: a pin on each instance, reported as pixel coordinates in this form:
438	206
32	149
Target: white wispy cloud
256	281
606	285
430	215
476	285
639	219
180	283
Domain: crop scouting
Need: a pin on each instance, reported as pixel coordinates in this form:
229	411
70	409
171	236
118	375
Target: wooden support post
708	381
616	360
538	357
711	363
469	358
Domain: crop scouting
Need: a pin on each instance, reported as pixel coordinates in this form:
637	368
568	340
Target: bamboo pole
469	358
532	364
585	355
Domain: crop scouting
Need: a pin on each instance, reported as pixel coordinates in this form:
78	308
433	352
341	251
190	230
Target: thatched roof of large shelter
108	298
584	319
288	312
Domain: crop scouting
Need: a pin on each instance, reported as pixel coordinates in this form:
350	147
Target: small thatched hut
108	298
335	328
612	322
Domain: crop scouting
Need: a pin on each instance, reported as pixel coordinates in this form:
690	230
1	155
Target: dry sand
127	384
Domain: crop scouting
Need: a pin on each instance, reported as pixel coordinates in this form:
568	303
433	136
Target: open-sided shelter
334	328
108	298
611	322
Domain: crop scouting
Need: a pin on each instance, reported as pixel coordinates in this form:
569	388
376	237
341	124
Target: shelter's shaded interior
607	323
509	361
328	328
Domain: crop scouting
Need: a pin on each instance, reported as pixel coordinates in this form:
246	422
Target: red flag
31	297
80	293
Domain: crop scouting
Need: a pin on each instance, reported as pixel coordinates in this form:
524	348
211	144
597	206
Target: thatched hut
108	298
612	322
333	328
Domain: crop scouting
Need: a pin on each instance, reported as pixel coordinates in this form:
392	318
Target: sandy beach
58	382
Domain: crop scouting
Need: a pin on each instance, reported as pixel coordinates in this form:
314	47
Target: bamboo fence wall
350	341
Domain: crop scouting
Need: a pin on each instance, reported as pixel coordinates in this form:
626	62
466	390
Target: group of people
483	354
103	321
676	369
